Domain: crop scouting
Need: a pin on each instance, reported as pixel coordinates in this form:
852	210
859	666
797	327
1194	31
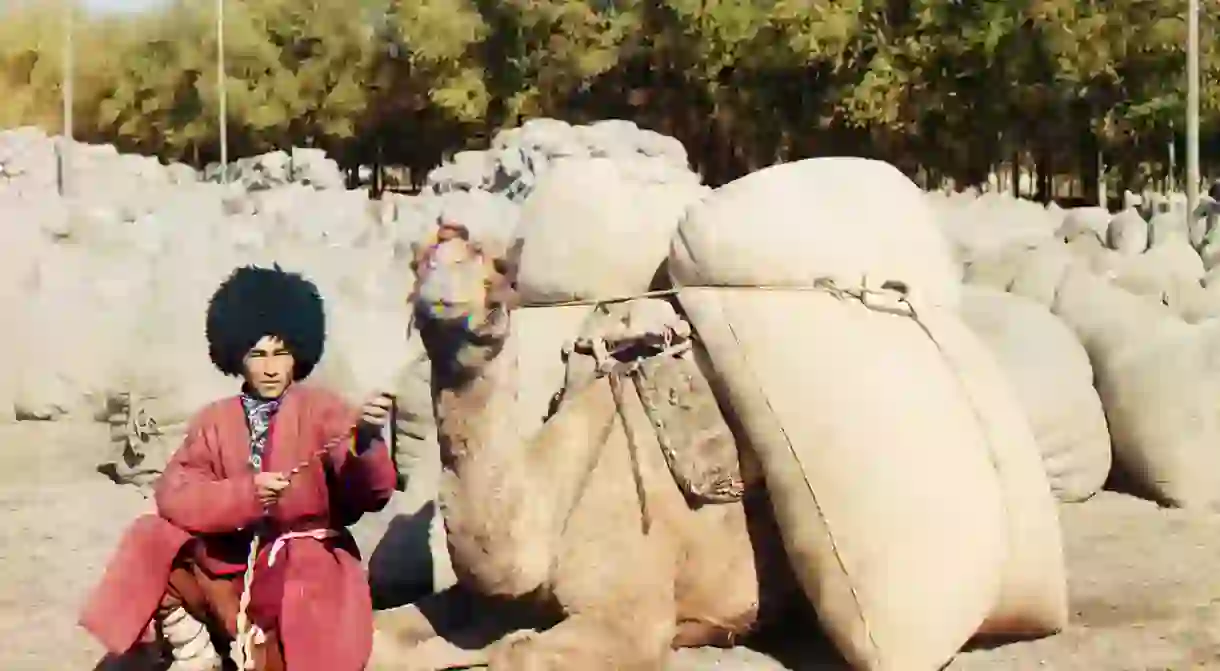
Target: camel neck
475	417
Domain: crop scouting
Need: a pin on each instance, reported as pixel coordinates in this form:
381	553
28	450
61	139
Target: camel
573	525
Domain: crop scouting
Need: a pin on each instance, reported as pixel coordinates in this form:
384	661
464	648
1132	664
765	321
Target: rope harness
888	297
615	371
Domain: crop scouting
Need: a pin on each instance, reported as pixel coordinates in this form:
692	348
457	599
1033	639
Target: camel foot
434	654
585	643
431	616
406	626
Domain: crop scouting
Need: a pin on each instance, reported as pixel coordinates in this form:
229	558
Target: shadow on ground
400	568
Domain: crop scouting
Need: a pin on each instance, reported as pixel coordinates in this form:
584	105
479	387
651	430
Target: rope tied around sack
888	296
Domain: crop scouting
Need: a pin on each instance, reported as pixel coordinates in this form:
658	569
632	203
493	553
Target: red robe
325	618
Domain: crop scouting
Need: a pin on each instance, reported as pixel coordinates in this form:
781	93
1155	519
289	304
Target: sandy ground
1145	592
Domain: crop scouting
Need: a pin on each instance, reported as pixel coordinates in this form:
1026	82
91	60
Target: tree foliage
948	88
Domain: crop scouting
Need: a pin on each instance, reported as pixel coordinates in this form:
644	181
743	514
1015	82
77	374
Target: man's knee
181	588
222	596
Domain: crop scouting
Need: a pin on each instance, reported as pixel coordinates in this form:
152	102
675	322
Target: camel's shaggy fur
554	527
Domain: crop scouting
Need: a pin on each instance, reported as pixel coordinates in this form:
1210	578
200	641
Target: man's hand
375	412
270	486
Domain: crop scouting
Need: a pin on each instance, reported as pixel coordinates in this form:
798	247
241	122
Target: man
284	463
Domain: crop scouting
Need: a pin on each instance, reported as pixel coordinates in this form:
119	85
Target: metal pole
222	90
65	141
1171	181
1192	111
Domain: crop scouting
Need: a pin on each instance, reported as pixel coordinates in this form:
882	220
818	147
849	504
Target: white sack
1158	381
876	441
1051	375
591	233
1128	233
791	224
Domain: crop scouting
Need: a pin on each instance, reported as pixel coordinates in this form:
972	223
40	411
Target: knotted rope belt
249	634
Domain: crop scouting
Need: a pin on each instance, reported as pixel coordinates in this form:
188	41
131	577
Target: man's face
269	367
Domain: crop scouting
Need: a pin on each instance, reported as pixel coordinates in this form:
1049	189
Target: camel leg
591	643
434	654
431	616
450	629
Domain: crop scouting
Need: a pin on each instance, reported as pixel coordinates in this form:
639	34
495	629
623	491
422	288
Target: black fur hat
256	302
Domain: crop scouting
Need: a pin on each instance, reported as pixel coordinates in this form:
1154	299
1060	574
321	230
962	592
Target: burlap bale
1160	271
1196	303
1158	382
74	329
1095	255
852	448
592	233
1128	233
1052	377
849	233
1081	220
1031	272
1168	226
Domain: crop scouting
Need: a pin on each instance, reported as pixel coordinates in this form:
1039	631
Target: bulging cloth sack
591	232
1050	371
883	432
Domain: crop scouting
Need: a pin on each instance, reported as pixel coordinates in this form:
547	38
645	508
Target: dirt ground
1144	586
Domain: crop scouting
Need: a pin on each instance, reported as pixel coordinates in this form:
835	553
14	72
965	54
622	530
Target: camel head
462	296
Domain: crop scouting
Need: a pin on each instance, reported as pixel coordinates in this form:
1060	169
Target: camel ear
447	230
511	263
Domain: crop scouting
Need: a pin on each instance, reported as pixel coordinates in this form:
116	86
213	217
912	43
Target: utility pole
222	91
65	141
1192	111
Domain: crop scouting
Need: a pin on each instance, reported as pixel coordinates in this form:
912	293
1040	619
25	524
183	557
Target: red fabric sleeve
193	497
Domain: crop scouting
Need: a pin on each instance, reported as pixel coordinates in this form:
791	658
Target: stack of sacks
588	233
305	167
486	190
73	327
1079	221
1200	304
1167	226
1166	274
519	157
1154	260
886	435
168	372
491	218
1051	374
981	225
22	243
1033	272
29	164
1163	273
1128	233
1156	379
